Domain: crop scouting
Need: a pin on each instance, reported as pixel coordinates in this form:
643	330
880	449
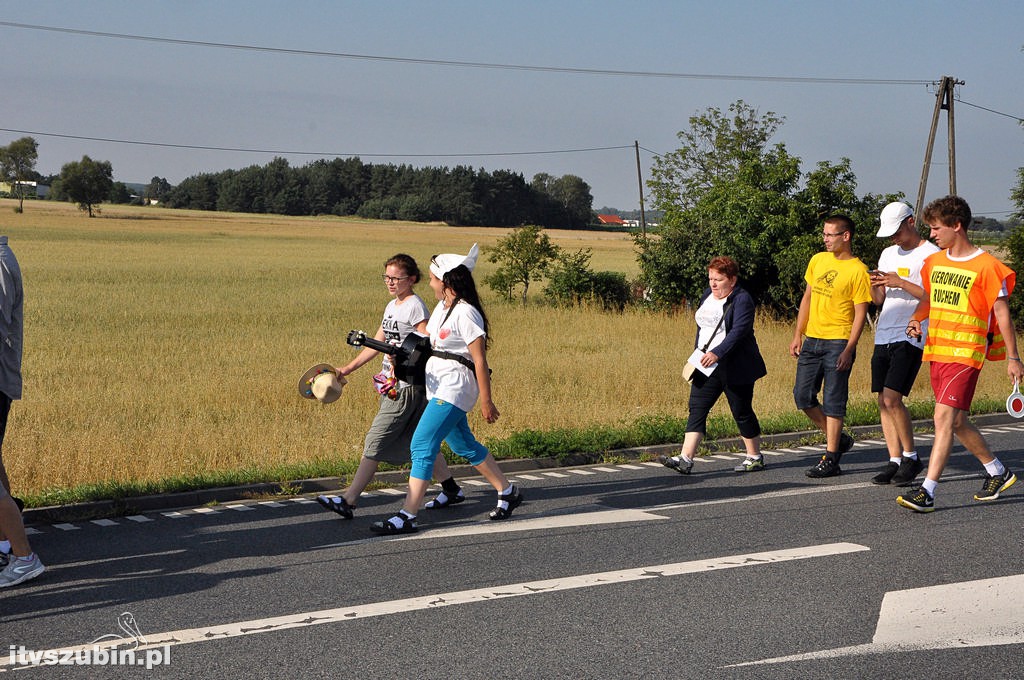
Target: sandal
443	500
399	524
336	504
512	500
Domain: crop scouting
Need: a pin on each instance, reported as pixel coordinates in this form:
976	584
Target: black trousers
706	390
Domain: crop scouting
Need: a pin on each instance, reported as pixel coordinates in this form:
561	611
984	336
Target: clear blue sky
103	87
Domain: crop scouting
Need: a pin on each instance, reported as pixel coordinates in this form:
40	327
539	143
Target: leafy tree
572	282
119	193
566	200
158	189
1015	246
728	191
87	182
522	257
17	165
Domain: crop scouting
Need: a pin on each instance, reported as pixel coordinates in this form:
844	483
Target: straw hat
322	383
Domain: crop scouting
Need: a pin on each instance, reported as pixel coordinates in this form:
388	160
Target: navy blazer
739	357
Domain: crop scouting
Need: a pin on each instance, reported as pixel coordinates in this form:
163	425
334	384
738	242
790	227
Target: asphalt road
607	571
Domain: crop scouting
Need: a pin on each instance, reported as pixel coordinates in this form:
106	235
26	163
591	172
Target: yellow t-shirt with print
836	287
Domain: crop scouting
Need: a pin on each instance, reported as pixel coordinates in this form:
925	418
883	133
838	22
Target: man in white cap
896	286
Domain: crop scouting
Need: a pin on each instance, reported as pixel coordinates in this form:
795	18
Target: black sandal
336	504
513	500
388	527
443	500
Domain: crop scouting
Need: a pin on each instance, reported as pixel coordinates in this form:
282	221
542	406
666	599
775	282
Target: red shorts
954	384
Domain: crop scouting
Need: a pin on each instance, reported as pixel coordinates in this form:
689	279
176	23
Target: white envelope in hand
695	360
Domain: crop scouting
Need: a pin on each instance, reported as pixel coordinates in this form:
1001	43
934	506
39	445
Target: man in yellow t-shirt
828	326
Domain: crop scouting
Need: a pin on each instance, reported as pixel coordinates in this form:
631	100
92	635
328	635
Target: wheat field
163	343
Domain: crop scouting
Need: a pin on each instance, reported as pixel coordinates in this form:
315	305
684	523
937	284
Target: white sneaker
19	570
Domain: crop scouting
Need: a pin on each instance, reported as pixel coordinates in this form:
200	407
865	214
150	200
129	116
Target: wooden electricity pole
943	100
640	181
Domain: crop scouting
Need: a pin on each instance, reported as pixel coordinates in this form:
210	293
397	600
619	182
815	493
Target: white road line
139	518
627	466
205	511
66	527
105	523
983	613
390	492
532	478
341	615
272	504
605	469
770	453
874	442
586	472
572	519
238	507
475	482
556	474
651	463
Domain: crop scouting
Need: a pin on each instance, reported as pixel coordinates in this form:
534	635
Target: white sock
912	455
5	546
930	486
895	460
995	468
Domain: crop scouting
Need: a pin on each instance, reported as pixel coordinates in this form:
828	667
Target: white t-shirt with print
899	305
400	319
707	316
448	379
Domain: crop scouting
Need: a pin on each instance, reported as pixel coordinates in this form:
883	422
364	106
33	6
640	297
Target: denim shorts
816	367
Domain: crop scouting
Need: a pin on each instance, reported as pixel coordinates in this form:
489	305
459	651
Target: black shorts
895	366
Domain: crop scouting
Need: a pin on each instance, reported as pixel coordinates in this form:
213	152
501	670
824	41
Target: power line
998	113
283	152
471	64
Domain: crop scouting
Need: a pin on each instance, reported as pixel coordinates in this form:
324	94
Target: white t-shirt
448	379
899	305
707	317
400	319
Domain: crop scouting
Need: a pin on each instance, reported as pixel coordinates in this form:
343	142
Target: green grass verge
561	444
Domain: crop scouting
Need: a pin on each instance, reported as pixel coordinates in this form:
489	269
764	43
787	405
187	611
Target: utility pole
640	181
943	100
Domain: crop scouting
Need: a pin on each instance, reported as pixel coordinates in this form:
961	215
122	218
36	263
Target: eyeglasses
835	235
393	279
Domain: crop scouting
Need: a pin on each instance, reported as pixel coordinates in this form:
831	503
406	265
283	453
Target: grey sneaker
4	559
19	570
750	464
677	463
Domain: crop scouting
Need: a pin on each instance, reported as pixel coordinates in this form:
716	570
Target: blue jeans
816	367
442	422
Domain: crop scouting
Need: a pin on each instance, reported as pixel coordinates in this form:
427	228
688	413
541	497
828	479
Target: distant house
27	188
611	219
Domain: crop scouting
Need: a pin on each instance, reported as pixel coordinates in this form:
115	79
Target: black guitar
410	358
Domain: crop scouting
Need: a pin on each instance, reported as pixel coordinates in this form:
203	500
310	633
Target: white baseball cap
892	217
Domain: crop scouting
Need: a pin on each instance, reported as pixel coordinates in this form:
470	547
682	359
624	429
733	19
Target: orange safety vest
961	326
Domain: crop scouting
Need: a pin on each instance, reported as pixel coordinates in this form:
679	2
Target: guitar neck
376	344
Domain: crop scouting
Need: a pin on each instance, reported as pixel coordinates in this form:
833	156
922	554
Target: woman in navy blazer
725	327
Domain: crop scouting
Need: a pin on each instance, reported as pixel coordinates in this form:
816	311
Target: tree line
343	186
347	186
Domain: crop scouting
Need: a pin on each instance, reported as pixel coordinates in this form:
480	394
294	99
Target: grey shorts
392	428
